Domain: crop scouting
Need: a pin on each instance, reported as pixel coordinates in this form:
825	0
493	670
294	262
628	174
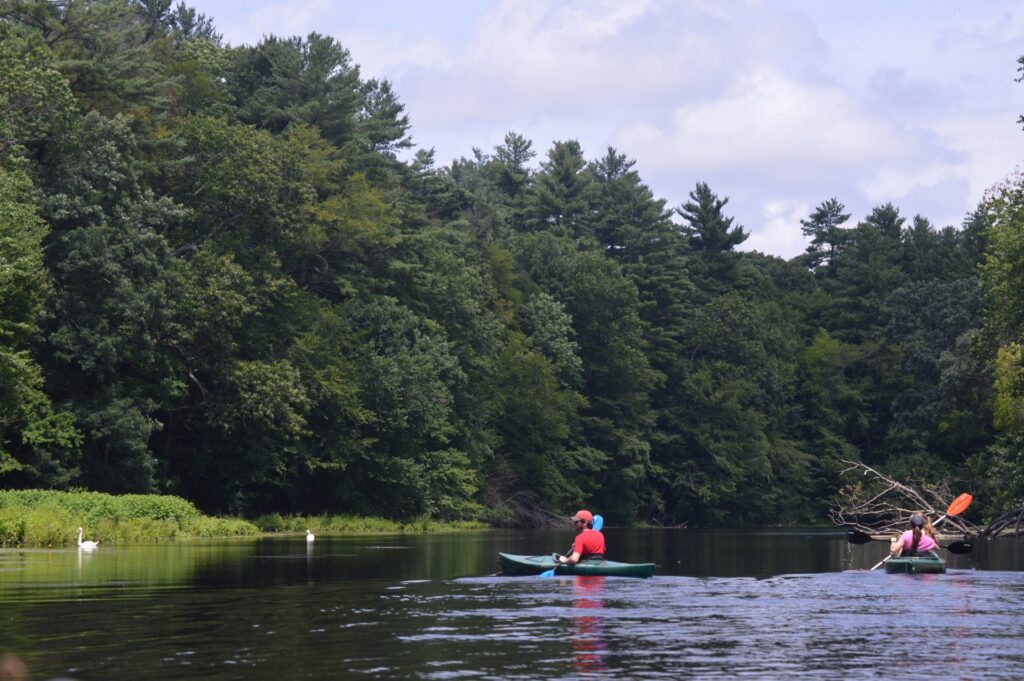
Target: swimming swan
86	544
310	536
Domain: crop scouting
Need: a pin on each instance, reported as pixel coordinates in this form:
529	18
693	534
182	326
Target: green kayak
515	566
928	563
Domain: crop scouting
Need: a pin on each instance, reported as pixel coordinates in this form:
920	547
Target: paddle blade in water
959	504
857	537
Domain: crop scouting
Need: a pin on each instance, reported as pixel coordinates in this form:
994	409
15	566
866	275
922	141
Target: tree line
228	275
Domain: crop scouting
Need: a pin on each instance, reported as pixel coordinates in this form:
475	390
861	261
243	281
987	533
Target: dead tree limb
876	503
1009	524
523	509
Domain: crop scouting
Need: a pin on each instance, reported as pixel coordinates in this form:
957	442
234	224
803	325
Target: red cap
584	515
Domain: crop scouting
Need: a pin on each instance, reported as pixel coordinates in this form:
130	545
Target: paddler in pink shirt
918	539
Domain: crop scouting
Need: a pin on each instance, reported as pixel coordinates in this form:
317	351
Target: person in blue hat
918	539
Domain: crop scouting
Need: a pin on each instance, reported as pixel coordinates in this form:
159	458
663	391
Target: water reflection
767	604
588	648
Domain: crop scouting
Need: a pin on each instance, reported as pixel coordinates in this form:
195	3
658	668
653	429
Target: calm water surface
727	604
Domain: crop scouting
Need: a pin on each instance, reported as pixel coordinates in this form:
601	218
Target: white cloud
888	184
769	120
283	19
393	54
780	234
991	144
607	61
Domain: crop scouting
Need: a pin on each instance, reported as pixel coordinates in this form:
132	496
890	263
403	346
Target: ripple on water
828	624
796	625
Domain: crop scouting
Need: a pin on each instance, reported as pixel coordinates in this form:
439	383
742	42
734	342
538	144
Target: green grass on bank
352	524
50	518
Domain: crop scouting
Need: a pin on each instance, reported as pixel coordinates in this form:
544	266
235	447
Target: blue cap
917	520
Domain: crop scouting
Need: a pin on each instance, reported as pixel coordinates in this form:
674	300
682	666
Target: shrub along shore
51	518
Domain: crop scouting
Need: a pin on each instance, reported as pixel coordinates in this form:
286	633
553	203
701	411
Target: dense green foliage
221	281
350	524
46	517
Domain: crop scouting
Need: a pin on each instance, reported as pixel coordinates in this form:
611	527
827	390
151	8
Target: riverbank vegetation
229	275
354	524
50	518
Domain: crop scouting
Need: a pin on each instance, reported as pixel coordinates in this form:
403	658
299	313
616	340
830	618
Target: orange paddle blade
959	504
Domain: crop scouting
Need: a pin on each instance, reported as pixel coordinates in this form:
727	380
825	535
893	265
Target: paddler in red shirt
589	543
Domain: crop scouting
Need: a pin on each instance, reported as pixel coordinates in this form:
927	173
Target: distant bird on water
309	536
86	545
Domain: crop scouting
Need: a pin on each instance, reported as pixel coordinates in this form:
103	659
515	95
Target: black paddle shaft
958	547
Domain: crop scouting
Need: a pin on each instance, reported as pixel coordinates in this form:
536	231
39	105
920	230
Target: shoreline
49	518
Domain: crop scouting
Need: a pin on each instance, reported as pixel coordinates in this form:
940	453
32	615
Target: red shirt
587	543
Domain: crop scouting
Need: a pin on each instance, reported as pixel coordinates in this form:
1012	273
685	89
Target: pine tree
824	227
559	198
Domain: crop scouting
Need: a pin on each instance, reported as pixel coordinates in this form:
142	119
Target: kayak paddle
958	506
598	524
959	547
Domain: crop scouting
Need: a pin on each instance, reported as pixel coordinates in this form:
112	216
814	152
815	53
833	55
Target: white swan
86	545
309	535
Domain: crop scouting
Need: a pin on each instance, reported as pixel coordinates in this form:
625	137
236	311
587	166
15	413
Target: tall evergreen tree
711	237
559	200
868	269
513	155
824	227
707	229
308	80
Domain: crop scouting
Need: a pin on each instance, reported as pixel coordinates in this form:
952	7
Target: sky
777	105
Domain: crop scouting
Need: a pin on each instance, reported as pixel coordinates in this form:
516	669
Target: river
761	604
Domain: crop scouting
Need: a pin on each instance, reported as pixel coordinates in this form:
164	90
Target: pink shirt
926	543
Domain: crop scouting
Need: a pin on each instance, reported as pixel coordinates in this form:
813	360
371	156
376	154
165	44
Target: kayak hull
929	563
517	566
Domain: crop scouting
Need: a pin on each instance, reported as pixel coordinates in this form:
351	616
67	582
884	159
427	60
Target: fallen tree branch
523	509
1009	524
876	503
